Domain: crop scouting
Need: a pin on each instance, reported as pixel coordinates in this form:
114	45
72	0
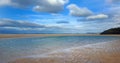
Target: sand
33	35
46	35
107	52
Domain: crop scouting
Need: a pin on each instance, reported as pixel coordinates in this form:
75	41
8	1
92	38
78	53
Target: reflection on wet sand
107	52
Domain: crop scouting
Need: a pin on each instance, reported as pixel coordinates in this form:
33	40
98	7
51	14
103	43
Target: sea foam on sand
107	52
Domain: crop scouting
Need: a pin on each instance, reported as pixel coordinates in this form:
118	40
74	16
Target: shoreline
46	35
105	52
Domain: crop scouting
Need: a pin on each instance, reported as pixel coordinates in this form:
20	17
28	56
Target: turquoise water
12	48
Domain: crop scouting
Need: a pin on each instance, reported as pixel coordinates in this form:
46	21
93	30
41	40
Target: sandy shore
107	52
46	35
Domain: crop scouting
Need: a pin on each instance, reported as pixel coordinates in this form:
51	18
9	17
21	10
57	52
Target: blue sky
58	16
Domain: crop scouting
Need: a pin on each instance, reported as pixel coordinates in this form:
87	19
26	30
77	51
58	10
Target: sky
58	16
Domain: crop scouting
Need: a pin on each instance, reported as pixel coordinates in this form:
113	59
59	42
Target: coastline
46	35
107	52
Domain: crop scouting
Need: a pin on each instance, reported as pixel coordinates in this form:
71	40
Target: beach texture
105	52
46	35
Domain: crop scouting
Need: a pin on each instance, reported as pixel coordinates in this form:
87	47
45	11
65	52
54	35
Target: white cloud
5	2
97	17
50	6
79	11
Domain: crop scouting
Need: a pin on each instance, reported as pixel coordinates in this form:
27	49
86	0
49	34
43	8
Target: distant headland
112	31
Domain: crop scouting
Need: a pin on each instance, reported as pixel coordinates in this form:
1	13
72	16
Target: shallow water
12	48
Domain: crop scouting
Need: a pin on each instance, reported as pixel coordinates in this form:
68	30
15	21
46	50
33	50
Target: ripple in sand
95	53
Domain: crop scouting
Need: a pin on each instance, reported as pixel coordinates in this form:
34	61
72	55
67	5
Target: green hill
112	31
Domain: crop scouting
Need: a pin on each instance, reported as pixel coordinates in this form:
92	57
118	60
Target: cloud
114	10
97	17
62	22
8	26
23	3
18	24
114	13
5	2
50	6
79	11
113	1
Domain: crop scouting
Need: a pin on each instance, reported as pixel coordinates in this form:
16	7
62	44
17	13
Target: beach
47	35
104	52
41	35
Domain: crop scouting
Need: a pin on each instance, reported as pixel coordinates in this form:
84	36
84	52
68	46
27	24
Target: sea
15	48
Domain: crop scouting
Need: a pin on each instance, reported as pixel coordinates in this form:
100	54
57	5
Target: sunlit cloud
77	11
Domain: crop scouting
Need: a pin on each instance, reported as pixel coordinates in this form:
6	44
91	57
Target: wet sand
35	35
107	52
46	35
